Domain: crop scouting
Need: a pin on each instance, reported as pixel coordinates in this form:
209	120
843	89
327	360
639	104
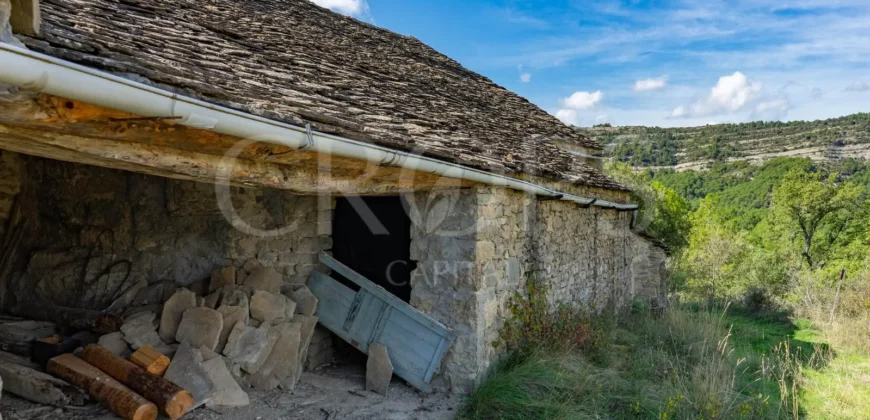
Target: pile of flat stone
238	332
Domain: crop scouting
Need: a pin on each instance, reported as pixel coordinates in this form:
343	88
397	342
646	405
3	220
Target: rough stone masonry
474	248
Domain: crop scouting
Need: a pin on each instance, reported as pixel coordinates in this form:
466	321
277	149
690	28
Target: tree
670	220
819	210
713	249
661	211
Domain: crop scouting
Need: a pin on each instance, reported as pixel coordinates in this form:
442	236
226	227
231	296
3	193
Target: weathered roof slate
292	61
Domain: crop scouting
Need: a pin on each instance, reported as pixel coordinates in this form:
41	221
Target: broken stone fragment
173	310
186	371
289	307
115	343
265	306
139	331
231	316
221	278
207	353
249	347
379	369
200	327
306	302
282	360
212	300
227	392
308	324
235	296
266	279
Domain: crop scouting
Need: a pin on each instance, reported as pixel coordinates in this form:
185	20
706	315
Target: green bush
534	326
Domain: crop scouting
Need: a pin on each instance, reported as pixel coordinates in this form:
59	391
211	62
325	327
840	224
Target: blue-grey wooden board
415	342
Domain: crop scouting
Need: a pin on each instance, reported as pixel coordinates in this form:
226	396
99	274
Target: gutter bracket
309	136
588	205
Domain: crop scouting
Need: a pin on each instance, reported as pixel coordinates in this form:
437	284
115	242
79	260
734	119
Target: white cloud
679	112
347	7
774	109
655	83
526	77
857	87
578	101
731	94
583	100
567	116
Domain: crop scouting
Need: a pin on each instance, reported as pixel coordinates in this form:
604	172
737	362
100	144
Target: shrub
533	325
756	300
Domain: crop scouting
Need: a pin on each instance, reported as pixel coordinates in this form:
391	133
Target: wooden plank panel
416	343
383	294
366	321
335	300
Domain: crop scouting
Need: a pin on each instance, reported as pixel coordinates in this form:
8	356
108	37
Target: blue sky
665	63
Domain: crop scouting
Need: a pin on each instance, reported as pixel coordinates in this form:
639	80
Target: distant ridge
697	148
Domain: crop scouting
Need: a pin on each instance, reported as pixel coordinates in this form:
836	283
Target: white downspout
39	72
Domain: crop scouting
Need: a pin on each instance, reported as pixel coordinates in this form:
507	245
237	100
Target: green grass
684	364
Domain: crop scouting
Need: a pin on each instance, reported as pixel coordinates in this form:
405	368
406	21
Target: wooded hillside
697	147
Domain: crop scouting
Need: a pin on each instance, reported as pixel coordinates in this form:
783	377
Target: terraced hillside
698	147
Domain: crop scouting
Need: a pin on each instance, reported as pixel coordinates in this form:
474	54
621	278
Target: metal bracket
310	136
587	205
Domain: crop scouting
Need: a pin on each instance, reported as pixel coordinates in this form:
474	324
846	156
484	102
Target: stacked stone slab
236	330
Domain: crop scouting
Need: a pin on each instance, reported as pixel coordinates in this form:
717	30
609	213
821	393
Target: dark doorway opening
372	236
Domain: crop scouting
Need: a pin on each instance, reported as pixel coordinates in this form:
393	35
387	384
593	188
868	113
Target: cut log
172	400
111	393
31	384
151	360
75	318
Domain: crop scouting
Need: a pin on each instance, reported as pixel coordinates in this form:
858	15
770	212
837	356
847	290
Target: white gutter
39	72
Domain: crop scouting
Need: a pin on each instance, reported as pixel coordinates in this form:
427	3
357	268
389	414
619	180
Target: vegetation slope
657	147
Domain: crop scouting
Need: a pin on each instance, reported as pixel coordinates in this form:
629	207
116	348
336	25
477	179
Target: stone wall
156	228
476	248
649	272
584	255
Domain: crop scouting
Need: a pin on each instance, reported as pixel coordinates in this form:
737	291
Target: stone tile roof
295	62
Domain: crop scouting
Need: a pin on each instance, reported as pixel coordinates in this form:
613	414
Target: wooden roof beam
62	129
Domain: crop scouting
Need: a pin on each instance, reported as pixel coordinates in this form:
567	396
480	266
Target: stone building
147	141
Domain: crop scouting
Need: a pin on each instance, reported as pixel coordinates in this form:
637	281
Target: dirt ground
335	392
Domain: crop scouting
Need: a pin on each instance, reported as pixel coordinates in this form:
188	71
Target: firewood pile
177	348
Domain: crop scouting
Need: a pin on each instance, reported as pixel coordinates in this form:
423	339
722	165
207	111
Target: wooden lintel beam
69	130
201	167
